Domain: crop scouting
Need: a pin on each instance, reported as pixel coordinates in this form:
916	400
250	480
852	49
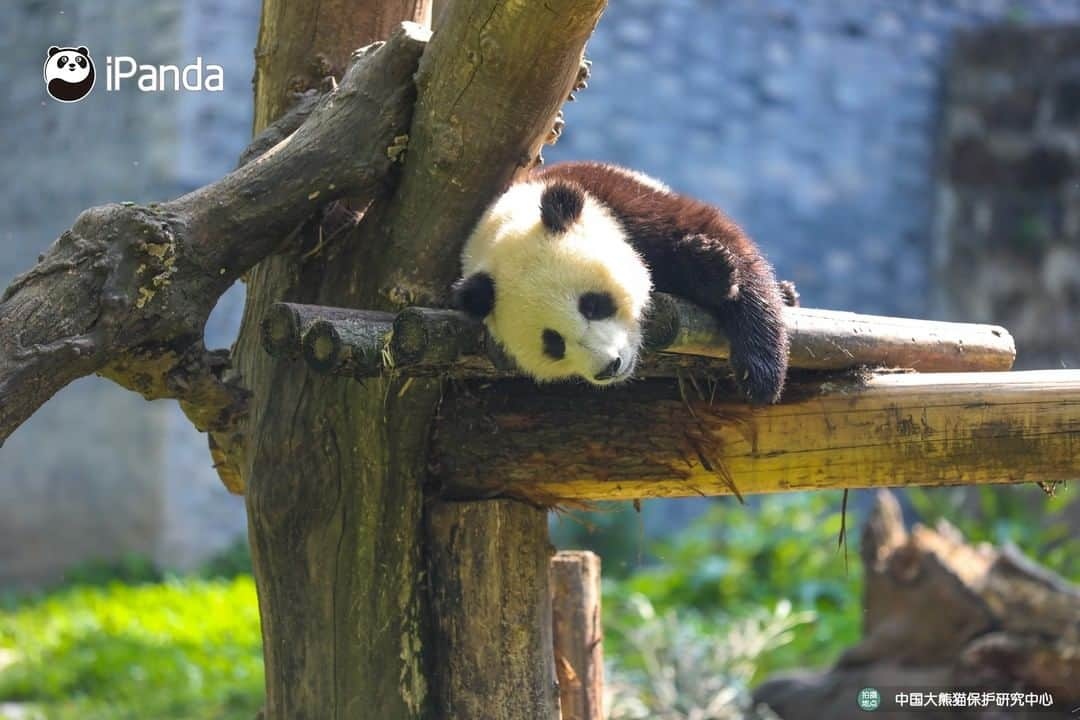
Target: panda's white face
567	293
67	64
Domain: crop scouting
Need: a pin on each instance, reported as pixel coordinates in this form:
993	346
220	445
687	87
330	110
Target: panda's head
69	73
549	270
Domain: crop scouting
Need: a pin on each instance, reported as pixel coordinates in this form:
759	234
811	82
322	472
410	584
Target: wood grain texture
335	468
491	86
832	339
572	443
334	512
492	611
578	633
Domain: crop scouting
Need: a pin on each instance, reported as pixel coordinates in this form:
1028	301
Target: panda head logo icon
69	73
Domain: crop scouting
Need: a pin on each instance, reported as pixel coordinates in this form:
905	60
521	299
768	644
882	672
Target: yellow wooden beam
653	439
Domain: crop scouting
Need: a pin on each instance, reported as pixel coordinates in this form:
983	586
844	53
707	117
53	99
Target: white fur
539	278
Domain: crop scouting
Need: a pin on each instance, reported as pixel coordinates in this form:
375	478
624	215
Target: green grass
737	586
734	561
183	648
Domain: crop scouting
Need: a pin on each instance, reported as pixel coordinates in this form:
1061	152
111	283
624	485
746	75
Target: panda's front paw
760	374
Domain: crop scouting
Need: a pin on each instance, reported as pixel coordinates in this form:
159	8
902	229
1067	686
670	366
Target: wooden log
443	342
833	340
492	611
285	324
436	338
652	439
578	634
351	346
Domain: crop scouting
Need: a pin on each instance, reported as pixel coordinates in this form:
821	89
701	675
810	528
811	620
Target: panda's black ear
561	204
53	50
475	295
82	50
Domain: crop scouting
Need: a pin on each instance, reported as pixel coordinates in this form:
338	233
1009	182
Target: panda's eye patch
596	305
81	61
62	61
554	345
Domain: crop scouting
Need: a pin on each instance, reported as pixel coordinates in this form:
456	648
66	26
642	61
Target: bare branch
127	290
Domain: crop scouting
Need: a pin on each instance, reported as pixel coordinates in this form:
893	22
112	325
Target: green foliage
132	569
738	559
234	561
728	602
1019	514
692	666
186	649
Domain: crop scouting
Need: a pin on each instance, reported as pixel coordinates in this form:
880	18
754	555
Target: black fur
560	206
554	344
596	305
475	295
695	251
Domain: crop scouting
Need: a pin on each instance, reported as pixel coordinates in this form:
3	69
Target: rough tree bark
661	439
492	612
127	290
334	468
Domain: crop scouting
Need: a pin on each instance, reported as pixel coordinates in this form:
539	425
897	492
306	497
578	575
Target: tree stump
941	615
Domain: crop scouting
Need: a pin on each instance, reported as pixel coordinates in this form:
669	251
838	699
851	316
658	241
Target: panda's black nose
610	371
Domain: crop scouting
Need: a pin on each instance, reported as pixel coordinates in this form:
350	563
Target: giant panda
561	268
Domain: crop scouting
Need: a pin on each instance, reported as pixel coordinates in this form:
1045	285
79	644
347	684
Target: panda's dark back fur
695	251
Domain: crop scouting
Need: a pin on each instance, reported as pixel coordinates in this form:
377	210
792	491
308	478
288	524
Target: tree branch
127	290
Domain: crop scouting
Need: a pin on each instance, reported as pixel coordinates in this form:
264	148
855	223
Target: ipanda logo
69	74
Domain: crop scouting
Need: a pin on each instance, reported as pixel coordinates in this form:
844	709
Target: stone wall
813	122
1007	241
99	472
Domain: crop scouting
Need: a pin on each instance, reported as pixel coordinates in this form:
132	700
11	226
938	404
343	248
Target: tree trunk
491	612
334	468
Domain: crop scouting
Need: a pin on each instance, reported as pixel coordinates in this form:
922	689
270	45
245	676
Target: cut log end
322	346
281	331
